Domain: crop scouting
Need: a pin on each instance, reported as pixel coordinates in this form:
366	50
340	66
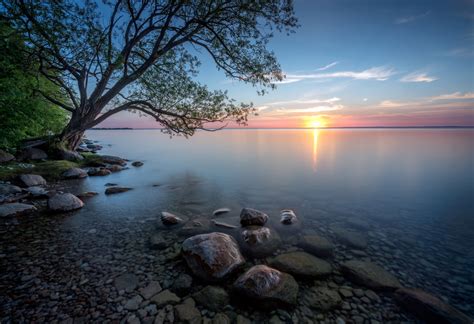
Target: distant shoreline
295	128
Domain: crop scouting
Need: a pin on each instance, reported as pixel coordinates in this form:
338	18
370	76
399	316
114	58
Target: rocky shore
228	266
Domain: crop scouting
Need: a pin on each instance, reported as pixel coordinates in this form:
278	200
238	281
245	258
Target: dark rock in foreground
30	180
324	299
212	297
7	190
15	209
268	287
126	281
370	275
317	245
5	157
63	202
301	264
249	216
116	190
212	256
74	173
429	308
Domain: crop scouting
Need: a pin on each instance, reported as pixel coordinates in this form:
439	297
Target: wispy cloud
330	65
380	73
300	106
460	52
418	77
408	19
454	96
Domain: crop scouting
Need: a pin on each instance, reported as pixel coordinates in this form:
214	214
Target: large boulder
5	156
353	239
212	256
301	264
267	287
15	209
63	202
74	173
32	153
109	159
259	241
317	245
429	308
98	172
30	180
249	216
370	275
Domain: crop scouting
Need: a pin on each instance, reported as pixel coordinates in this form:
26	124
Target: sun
314	122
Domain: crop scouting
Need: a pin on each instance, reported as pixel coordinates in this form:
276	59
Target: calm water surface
412	189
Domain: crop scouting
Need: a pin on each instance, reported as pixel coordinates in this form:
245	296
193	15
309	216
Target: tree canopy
142	55
24	113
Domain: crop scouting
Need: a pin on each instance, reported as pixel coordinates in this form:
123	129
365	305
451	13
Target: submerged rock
222	224
429	308
87	194
220	211
98	172
150	290
30	180
249	216
116	190
324	299
301	264
15	209
212	256
195	226
109	159
63	202
165	297
74	173
267	286
351	238
288	217
32	153
370	275
212	297
5	157
170	219
126	281
137	163
182	284
187	313
158	242
115	168
317	245
259	241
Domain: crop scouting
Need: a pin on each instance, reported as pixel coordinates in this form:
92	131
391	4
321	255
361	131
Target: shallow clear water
410	191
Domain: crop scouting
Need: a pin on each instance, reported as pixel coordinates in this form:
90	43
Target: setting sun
314	122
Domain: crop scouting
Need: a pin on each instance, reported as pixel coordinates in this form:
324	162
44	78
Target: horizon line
294	128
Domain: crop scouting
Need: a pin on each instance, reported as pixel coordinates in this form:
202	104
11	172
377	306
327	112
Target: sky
362	63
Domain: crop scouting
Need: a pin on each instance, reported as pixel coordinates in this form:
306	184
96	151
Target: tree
142	55
24	112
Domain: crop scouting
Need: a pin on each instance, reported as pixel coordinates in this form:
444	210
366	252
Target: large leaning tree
143	55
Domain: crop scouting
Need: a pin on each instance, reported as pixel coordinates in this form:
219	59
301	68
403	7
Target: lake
408	193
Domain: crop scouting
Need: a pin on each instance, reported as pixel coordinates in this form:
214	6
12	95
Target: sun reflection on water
315	148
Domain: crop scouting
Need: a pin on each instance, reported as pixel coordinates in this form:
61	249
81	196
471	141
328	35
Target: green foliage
24	113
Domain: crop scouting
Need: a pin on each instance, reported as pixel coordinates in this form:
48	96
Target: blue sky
367	63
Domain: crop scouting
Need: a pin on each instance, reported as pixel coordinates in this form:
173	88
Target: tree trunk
71	136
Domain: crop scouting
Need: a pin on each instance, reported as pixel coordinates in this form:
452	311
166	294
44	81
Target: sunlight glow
314	122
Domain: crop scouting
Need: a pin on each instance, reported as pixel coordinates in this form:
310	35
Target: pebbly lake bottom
92	265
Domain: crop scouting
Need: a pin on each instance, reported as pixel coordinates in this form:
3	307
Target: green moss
50	170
